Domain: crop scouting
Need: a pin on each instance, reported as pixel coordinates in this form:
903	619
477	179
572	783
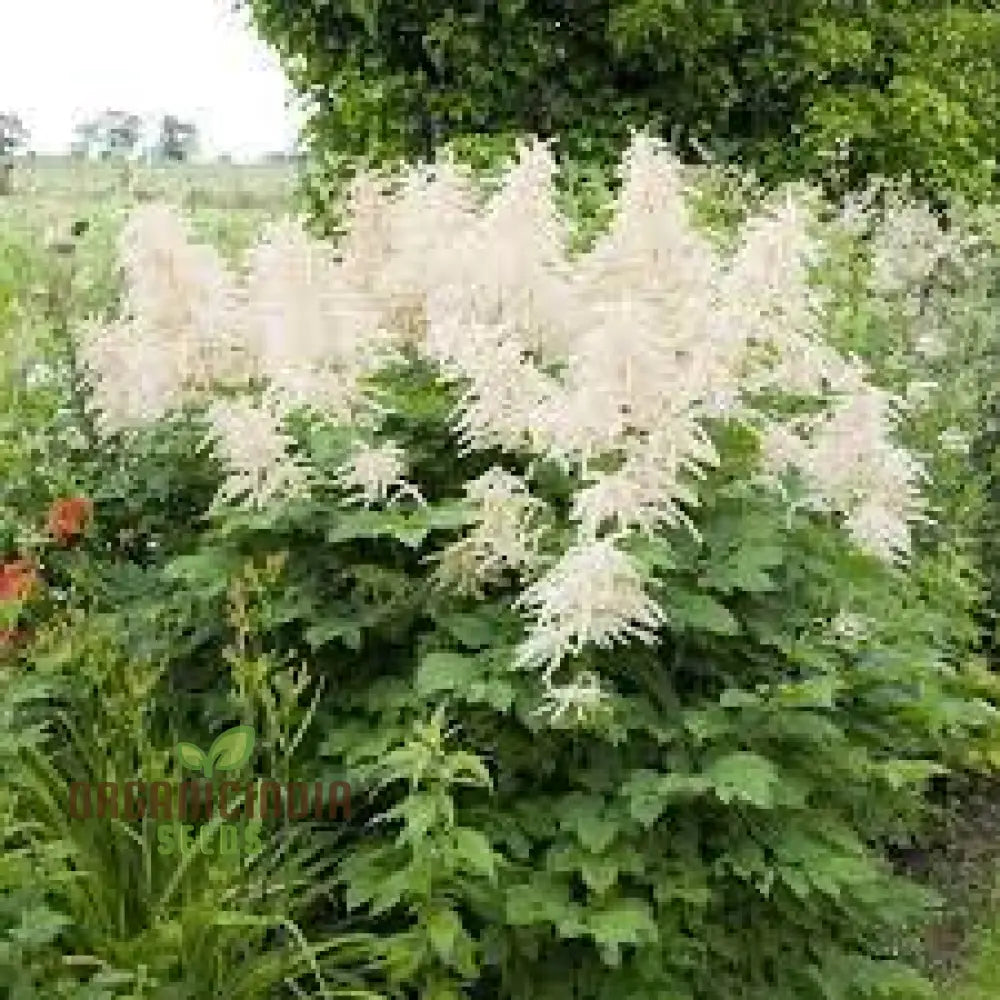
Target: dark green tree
898	86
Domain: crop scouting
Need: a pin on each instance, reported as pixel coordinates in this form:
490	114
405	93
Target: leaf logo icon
230	750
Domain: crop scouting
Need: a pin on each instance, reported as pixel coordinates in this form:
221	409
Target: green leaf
498	693
593	830
652	553
39	926
444	929
541	901
410	528
421	812
474	631
444	671
232	748
744	569
346	629
699	613
650	793
207	573
475	851
745	777
600	874
628	921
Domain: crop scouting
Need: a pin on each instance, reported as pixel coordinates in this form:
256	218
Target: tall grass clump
605	560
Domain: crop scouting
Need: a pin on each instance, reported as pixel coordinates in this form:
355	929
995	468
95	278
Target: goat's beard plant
630	515
612	366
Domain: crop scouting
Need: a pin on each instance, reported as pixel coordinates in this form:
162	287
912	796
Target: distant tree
178	139
13	136
122	131
85	141
112	134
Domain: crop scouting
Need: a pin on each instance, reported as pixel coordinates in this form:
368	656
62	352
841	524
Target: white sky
64	61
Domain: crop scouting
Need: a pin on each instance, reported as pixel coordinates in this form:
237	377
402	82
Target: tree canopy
900	86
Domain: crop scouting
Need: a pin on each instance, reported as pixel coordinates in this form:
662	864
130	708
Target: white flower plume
374	472
593	595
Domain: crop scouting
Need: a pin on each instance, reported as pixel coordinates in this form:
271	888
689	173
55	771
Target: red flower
68	518
17	580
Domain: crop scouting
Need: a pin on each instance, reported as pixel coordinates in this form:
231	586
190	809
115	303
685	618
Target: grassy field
227	185
228	202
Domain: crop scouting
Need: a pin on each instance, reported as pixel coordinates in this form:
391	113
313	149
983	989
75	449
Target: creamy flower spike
376	474
505	536
593	595
257	453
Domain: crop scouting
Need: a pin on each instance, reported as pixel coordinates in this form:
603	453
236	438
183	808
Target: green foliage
712	834
92	907
721	830
911	88
980	981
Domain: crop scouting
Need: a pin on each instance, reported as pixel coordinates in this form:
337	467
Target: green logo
230	750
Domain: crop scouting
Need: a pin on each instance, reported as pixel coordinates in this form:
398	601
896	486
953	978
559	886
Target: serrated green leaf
540	902
650	793
600	874
594	832
472	847
744	777
627	921
444	930
745	569
699	613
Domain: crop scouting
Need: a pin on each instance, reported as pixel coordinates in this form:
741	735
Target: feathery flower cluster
909	247
609	364
505	535
593	595
849	457
374	472
257	451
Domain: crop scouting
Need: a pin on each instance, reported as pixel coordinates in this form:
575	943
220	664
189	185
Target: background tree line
111	134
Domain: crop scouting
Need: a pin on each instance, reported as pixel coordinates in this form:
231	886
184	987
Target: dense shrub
834	91
606	578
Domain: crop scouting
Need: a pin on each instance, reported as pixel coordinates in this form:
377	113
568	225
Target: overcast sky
66	60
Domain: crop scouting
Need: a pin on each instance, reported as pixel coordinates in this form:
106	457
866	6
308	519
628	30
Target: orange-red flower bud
68	518
17	580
